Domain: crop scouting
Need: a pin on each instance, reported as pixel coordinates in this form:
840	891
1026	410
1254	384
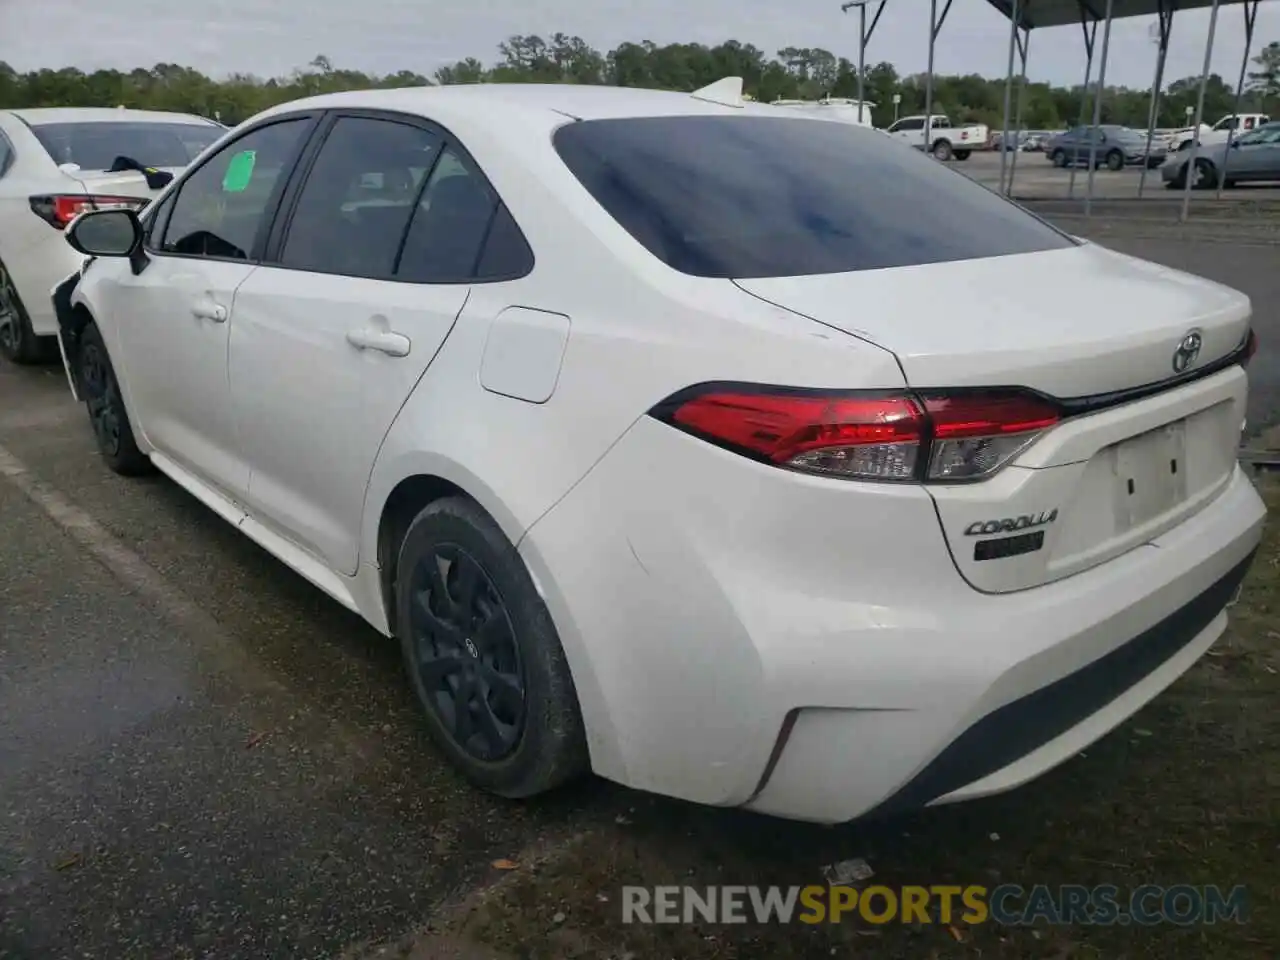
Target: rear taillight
1250	348
60	209
941	437
976	435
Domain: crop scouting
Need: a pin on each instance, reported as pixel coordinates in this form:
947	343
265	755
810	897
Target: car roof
556	102
38	116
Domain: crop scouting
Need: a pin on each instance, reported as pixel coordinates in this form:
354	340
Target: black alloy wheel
467	660
100	390
101	396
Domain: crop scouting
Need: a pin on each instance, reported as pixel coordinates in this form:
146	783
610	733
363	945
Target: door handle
384	341
208	310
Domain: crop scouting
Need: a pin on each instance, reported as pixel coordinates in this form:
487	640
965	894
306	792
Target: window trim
162	208
8	154
270	212
279	234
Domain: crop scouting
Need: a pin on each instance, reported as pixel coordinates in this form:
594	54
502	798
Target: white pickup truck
943	140
1220	132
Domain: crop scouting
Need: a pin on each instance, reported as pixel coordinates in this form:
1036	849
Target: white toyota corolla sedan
639	418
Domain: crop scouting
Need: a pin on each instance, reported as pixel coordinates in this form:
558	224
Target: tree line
794	72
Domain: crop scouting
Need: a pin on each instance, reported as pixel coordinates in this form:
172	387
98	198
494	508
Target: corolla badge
1027	521
1187	352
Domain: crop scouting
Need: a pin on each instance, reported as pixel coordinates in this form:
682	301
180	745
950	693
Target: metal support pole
1157	86
864	37
1250	17
1008	93
1090	35
1097	109
935	26
1190	177
1024	43
862	59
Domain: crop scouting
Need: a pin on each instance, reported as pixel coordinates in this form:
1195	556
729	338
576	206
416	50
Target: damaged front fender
70	324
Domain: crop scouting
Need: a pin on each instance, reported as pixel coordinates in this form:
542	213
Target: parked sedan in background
56	163
1252	158
1114	147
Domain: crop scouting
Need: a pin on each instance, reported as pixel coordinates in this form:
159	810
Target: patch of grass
1186	792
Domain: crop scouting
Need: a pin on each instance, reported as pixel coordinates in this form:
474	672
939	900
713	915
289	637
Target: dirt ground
1186	792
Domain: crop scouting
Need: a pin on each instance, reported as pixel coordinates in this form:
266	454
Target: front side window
355	206
761	196
221	207
95	145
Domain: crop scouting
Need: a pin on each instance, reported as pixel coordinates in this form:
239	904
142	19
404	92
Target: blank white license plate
1151	474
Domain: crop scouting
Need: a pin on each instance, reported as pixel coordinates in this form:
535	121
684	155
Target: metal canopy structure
1059	13
1027	15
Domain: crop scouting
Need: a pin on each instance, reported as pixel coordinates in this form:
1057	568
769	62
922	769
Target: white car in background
54	163
633	416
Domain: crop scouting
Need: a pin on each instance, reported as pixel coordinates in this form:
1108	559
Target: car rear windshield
758	196
95	145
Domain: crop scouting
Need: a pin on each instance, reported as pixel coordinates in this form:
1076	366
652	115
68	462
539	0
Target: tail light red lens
1250	348
58	210
886	437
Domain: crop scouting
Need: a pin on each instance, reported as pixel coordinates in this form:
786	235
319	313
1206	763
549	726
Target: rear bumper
1090	663
47	265
1022	739
742	635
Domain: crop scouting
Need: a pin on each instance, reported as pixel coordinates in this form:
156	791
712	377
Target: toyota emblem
1187	351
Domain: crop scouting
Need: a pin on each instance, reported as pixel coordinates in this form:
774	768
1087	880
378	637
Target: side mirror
108	233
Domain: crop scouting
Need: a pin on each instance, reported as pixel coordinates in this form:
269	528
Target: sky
272	37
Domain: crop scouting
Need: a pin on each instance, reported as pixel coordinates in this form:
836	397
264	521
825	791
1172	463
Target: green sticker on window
239	171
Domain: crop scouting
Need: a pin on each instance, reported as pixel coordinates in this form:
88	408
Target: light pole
862	47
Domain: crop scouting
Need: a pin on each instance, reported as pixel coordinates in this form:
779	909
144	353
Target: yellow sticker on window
239	171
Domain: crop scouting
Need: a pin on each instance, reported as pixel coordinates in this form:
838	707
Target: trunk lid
126	183
1072	322
1082	322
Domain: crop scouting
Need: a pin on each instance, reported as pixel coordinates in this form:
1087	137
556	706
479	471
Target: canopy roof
1057	13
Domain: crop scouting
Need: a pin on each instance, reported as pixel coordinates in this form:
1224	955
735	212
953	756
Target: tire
98	386
18	342
1059	159
1206	176
523	732
1115	160
941	151
962	154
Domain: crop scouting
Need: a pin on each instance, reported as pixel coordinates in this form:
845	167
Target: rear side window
756	196
95	145
461	231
